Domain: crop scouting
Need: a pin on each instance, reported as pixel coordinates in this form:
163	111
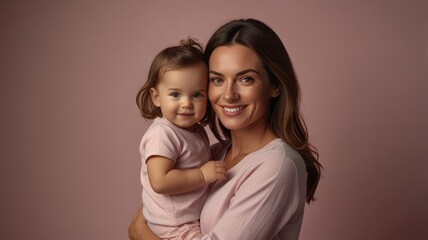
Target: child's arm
166	179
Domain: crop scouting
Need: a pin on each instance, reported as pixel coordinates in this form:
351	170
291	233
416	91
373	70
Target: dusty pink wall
70	129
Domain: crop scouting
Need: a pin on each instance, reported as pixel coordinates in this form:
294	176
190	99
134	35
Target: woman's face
239	88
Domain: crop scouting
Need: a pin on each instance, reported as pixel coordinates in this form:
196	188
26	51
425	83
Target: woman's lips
232	110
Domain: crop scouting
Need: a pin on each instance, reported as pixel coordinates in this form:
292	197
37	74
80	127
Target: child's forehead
192	79
171	66
200	67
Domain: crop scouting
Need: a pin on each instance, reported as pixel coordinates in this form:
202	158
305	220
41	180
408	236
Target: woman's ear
276	92
154	94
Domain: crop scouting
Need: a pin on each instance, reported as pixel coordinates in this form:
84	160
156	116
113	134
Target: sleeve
263	204
160	140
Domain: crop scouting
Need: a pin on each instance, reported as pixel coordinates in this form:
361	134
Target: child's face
182	95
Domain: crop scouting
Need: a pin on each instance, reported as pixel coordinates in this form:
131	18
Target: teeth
233	110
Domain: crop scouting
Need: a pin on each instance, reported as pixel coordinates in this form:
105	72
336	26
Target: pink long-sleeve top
262	198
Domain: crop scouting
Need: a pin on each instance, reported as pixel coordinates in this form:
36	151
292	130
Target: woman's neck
245	142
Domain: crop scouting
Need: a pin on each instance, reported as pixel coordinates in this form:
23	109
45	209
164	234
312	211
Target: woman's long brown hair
285	116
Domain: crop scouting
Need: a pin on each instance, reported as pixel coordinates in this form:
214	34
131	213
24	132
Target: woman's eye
216	80
246	80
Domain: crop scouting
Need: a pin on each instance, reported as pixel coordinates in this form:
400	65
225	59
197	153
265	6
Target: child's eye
198	95
175	94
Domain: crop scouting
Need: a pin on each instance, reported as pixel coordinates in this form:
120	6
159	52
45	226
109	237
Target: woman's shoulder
281	147
279	154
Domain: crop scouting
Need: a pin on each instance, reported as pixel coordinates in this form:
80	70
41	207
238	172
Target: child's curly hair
188	53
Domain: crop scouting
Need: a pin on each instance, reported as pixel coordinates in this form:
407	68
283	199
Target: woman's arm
166	179
138	229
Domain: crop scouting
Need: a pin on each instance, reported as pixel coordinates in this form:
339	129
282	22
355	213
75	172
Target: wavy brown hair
285	116
189	53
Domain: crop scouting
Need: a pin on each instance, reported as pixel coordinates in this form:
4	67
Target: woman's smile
233	109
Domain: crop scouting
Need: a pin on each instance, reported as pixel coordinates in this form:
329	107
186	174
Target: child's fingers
221	171
221	176
219	164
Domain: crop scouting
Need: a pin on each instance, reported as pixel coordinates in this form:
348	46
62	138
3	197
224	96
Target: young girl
175	150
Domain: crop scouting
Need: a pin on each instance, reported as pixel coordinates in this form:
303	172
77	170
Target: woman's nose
230	92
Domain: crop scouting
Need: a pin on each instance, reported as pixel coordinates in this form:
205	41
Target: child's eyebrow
178	89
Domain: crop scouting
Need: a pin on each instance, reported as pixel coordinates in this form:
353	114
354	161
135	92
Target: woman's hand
138	229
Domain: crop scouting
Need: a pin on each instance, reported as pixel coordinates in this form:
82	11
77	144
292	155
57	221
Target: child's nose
187	102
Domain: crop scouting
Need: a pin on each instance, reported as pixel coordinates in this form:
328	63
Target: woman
272	168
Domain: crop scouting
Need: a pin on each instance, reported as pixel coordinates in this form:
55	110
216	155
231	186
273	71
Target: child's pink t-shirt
188	150
263	196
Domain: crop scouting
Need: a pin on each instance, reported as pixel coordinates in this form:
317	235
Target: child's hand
214	170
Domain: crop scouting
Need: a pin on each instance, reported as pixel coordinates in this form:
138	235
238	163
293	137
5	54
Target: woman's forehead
234	58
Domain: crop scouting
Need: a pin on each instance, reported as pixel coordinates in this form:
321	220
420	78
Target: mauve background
70	128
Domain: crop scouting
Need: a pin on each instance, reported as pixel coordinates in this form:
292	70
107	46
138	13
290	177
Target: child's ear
155	97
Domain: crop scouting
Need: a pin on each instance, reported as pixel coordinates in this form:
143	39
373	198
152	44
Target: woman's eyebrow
216	73
247	71
238	74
